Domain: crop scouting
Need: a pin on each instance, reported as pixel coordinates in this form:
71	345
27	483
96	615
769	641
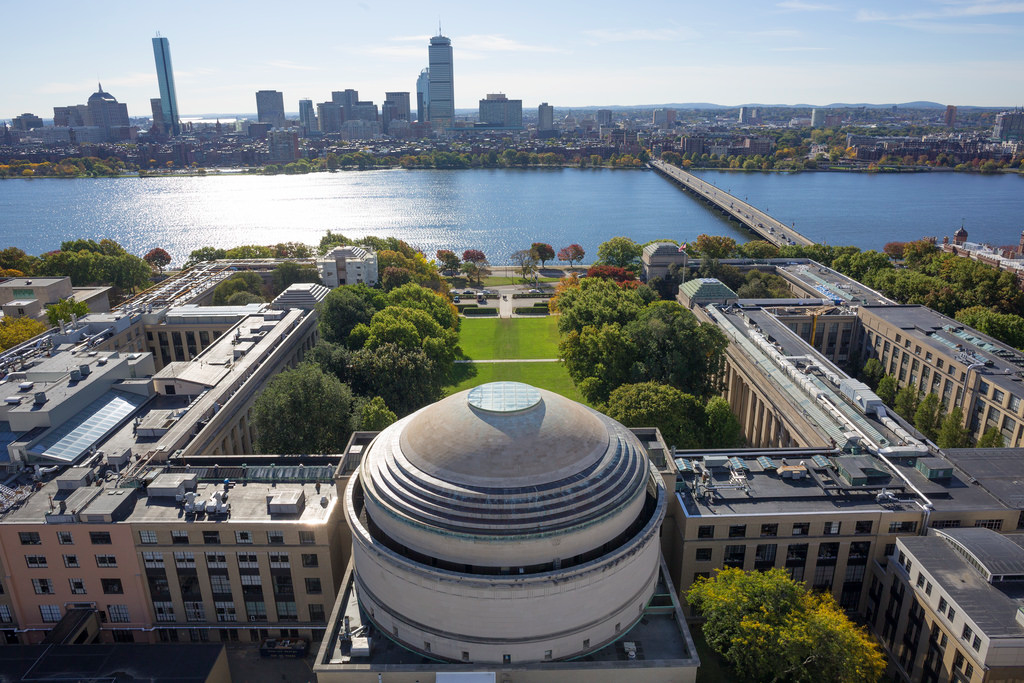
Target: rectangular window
703	554
863	527
832	528
65	538
823	577
943	605
5	614
42	586
920	580
967	633
194	611
310	560
707	531
153	560
29	538
179	536
99	537
184	560
854	573
737	531
50	614
77	586
71	561
256	609
275	537
243	537
307	537
765	555
118	614
313	586
994	524
280	561
801	528
106	561
247	561
951	615
828	551
147	537
112	586
976	643
769	529
211	537
225	611
734	555
316	613
902	527
164	611
287	611
220	584
35	561
216	560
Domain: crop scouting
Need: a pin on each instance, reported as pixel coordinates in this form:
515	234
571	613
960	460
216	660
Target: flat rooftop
166	663
819	280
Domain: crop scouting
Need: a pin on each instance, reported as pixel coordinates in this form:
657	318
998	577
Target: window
211	537
801	528
863	527
216	560
49	613
951	615
256	609
313	586
928	588
5	614
280	561
106	561
703	554
247	561
42	586
828	551
147	537
71	561
310	560
902	527
194	611
994	524
737	531
220	584
184	560
244	537
983	387
734	555
225	611
275	537
287	611
832	528
967	633
307	537
29	538
164	611
943	605
99	537
77	586
976	643
118	614
702	532
998	396
153	560
969	670
112	586
35	561
920	580
769	529
64	538
179	536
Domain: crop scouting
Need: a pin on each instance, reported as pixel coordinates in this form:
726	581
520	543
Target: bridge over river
757	221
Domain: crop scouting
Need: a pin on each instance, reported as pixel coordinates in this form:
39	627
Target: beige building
658	256
348	266
29	297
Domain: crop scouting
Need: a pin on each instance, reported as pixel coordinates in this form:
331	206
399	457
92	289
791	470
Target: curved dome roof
102	96
502	460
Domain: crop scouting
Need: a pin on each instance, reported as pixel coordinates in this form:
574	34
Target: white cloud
801	6
949	11
499	43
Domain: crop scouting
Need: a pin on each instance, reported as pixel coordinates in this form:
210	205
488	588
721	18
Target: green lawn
460	282
551	376
489	338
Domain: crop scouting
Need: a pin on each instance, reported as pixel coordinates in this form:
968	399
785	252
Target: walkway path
511	360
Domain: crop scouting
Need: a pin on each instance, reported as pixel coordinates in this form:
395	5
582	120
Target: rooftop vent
40	398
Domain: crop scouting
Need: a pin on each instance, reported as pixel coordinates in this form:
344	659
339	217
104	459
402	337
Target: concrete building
604	117
949	116
664	118
282	145
658	256
307	117
545	117
423	96
165	77
29	297
576	569
703	291
26	122
1009	126
441	76
270	107
348	266
818	118
497	111
102	112
330	116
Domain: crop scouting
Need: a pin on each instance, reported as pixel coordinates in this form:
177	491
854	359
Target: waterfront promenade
757	221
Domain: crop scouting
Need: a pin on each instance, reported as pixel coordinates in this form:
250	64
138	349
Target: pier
755	220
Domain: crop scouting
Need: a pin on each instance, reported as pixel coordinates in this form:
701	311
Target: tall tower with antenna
442	81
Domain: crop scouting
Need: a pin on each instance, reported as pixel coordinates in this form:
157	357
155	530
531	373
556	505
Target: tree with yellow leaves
771	628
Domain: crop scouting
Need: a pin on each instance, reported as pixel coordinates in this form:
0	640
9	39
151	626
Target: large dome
505	524
502	460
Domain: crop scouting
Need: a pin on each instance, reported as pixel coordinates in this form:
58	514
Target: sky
569	53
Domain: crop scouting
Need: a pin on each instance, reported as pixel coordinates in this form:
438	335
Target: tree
303	411
715	246
769	627
610	273
572	253
678	415
542	252
64	309
991	439
375	416
525	261
474	256
395	276
13	258
723	429
758	249
928	416
204	254
475	271
619	251
447	261
1006	327
953	434
157	258
872	372
405	378
288	273
243	299
245	281
345	307
887	389
438	307
14	331
906	402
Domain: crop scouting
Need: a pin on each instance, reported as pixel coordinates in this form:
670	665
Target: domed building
504	525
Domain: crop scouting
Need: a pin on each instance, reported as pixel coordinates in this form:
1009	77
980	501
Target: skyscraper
545	117
165	76
270	107
442	82
501	112
307	116
423	96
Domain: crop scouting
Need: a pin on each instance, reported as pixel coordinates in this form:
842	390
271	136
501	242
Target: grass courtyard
484	339
509	338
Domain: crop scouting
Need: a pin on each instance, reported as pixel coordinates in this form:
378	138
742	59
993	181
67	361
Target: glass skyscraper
165	75
442	85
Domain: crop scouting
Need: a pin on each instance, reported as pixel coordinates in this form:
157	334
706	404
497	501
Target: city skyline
792	51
